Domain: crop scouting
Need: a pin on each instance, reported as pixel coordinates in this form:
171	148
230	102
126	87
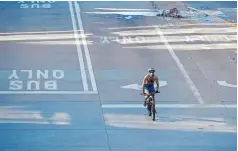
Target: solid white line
126	13
170	106
38	32
123	9
90	69
24	122
37	37
34	122
48	92
79	51
181	67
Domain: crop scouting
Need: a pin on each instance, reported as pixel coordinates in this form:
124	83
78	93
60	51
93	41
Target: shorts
149	88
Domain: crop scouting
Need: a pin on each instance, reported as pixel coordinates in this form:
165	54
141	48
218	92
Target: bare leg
146	97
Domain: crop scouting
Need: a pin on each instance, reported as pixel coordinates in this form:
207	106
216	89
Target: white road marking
181	67
212	12
178	39
53	42
79	51
228	9
170	106
126	13
10	115
168	122
90	69
68	31
38	32
7	114
38	37
204	31
60	118
224	83
125	9
24	122
48	92
187	47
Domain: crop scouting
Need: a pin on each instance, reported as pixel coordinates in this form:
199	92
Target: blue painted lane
196	128
46	125
39	36
53	138
34	16
50	115
39	54
43	122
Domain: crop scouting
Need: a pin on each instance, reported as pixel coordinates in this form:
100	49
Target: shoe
144	104
150	114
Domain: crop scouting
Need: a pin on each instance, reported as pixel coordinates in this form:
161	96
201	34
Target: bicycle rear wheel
153	111
149	107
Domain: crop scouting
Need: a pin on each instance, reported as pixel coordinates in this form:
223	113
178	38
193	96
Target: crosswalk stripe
170	106
48	92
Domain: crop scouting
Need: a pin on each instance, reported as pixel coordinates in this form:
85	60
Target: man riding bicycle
148	84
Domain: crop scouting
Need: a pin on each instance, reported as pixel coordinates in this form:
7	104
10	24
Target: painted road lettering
35	4
33	80
188	39
122	40
209	38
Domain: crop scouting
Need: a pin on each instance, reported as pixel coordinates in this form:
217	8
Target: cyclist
148	84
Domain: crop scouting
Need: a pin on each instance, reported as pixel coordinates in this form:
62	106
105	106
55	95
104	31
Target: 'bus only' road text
35	79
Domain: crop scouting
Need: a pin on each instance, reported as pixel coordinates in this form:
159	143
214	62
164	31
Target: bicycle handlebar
150	94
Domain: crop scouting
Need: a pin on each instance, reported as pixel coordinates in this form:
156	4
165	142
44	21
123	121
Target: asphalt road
70	75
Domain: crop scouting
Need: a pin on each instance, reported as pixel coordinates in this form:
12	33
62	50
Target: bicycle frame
151	104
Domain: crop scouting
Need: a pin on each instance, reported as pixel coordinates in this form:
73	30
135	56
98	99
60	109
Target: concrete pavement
63	65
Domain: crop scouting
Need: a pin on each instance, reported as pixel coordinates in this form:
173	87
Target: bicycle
150	104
